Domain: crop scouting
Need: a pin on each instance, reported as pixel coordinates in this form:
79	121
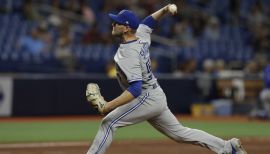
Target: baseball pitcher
143	98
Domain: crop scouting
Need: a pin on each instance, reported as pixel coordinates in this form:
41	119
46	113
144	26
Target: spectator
256	16
32	43
88	14
212	30
44	33
205	80
92	36
260	39
54	19
259	28
63	50
252	70
186	69
264	112
37	42
29	11
219	67
192	23
74	6
234	11
183	34
104	22
197	21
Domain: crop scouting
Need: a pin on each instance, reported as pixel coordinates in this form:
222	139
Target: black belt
153	86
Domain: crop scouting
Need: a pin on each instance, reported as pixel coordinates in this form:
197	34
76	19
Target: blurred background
211	58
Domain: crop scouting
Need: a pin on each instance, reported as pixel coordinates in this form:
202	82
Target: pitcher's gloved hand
93	96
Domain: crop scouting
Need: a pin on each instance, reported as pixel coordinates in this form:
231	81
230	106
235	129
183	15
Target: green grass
86	130
47	131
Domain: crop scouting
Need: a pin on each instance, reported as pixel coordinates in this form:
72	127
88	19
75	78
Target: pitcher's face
118	29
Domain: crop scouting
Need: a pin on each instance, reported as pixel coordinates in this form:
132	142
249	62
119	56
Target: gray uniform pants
151	106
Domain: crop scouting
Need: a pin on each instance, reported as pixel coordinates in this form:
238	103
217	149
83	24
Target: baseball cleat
237	147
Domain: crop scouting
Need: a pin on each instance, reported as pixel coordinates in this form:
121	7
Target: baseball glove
93	96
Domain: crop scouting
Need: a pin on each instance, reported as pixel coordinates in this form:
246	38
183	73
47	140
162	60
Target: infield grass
84	130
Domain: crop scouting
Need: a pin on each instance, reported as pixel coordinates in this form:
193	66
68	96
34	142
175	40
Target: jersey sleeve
131	67
145	29
144	33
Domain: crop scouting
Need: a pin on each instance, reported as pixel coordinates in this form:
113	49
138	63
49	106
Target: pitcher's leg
128	114
100	144
170	126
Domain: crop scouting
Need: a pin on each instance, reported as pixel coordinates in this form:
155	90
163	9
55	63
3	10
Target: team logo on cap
121	11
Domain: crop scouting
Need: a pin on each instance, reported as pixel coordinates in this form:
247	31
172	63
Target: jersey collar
130	41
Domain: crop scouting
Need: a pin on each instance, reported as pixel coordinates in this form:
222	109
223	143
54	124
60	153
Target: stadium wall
60	95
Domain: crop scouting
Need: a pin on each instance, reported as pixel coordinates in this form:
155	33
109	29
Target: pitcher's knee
108	122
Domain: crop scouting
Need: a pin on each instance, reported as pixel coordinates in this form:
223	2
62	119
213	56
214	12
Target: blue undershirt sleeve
150	22
135	88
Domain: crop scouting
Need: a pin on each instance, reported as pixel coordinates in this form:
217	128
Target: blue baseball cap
126	17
